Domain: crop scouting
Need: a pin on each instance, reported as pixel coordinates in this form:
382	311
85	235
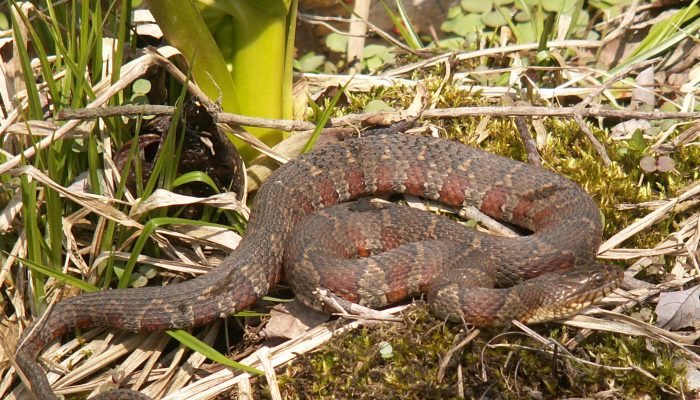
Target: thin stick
353	119
358	31
547	112
596	144
467	55
533	156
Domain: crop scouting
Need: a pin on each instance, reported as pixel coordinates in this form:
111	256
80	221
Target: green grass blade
35	111
56	160
547	30
93	164
148	229
662	38
411	37
323	118
164	168
666	29
54	206
577	10
46	71
209	352
195	176
403	25
123	25
33	236
58	275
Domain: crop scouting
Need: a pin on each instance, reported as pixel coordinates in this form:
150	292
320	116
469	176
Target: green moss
507	366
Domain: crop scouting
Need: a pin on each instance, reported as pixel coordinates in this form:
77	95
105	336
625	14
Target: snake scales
559	255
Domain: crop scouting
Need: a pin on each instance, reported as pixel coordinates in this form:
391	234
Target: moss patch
498	363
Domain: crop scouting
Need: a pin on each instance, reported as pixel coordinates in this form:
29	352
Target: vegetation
91	204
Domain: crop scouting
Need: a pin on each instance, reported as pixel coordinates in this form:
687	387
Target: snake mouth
575	291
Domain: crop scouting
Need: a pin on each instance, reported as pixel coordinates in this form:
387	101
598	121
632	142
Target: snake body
559	254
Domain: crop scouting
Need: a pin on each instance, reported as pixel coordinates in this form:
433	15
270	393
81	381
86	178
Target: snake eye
597	279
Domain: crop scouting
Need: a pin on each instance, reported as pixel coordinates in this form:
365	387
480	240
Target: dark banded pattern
565	221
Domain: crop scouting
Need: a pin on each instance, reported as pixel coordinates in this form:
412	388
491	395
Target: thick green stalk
260	59
254	74
185	29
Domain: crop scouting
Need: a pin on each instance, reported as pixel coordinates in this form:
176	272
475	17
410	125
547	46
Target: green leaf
543	56
373	63
337	42
463	24
477	7
525	32
4	23
377	106
256	41
452	44
667	124
558	6
668	107
637	142
375	55
310	62
503	79
525	4
493	19
386	350
141	86
375	50
454	12
521	16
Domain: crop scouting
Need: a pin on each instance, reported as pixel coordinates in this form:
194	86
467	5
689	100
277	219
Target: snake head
568	292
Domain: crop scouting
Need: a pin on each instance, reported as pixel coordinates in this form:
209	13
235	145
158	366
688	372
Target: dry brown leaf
9	334
263	166
678	309
291	320
163	198
11	210
643	94
692	375
95	203
224	237
625	129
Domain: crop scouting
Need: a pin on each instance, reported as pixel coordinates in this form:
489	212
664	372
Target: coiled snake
556	262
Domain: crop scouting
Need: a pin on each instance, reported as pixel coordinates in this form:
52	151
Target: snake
548	273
